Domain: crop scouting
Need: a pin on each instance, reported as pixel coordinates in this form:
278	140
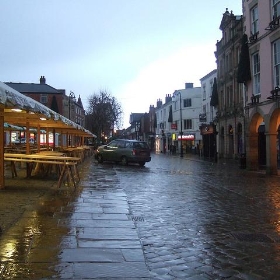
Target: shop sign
186	137
207	129
174	126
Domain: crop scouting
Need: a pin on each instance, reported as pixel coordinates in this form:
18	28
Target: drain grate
137	219
252	237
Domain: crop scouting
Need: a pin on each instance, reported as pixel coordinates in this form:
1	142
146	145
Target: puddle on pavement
30	249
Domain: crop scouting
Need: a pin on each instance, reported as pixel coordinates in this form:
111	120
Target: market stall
19	110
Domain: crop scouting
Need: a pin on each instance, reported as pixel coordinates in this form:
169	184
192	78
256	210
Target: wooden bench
65	164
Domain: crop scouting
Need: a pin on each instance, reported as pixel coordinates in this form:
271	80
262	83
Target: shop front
184	144
209	149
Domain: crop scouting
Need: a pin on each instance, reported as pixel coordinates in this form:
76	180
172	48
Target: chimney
168	98
42	80
188	85
159	103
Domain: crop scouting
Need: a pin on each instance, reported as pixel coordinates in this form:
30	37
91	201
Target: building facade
178	121
261	24
230	108
207	118
163	127
55	99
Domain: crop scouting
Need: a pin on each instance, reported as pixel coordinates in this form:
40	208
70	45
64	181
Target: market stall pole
2	180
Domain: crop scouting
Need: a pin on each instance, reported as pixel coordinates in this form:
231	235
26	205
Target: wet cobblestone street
172	219
205	221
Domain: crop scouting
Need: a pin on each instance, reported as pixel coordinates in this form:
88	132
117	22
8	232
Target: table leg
62	173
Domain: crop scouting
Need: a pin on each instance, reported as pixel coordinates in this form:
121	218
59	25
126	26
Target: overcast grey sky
139	51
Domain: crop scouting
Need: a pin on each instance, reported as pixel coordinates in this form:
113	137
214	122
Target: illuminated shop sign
186	137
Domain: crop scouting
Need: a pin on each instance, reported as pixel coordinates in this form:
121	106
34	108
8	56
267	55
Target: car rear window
140	145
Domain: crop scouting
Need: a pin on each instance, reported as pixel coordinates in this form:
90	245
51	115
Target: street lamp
181	123
71	96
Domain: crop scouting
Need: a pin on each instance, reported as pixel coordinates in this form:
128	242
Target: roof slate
33	88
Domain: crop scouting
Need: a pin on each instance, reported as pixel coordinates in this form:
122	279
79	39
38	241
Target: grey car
124	151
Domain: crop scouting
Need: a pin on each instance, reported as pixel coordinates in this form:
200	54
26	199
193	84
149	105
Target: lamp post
215	139
71	96
181	124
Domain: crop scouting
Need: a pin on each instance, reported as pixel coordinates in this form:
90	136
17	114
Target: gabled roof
135	117
227	18
33	88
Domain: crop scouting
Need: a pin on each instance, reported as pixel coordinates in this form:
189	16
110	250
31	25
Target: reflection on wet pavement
75	234
29	249
205	220
173	219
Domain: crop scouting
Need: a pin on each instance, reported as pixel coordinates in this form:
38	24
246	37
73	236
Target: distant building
55	99
163	128
178	120
230	108
152	124
207	118
135	122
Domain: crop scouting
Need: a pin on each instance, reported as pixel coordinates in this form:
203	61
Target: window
188	124
204	92
275	8
254	20
222	97
256	74
276	63
113	144
43	99
187	102
226	62
211	88
230	61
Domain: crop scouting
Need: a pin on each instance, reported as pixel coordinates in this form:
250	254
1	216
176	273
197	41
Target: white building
208	112
207	117
179	126
163	135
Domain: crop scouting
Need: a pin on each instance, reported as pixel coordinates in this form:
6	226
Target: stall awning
20	110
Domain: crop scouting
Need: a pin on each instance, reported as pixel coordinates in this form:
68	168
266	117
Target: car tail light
133	152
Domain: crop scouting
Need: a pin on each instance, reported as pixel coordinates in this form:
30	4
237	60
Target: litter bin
242	161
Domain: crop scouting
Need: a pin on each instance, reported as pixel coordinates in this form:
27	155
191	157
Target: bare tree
104	114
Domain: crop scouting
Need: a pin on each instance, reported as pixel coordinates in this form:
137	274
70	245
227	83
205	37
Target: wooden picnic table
65	164
74	151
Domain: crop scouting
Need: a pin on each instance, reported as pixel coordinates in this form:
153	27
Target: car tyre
142	163
124	160
99	158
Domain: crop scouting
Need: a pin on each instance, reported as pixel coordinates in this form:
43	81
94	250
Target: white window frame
188	124
255	20
211	88
187	102
276	63
256	73
204	91
44	99
275	8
